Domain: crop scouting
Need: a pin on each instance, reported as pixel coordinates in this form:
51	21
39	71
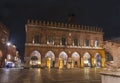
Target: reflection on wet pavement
86	75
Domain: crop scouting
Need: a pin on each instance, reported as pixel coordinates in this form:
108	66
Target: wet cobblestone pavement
86	75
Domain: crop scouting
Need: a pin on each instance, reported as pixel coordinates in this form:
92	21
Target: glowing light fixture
8	44
39	62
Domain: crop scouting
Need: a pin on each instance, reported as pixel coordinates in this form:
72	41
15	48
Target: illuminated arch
75	56
87	59
63	55
36	54
35	58
97	60
86	55
51	55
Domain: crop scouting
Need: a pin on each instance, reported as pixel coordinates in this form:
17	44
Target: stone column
82	62
92	59
116	57
56	62
60	63
72	64
78	63
103	62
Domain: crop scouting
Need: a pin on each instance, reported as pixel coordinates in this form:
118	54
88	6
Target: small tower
71	18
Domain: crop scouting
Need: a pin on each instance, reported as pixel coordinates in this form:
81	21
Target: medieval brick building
61	45
4	34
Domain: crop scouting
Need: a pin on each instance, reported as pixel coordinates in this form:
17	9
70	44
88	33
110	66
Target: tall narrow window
63	41
36	39
75	42
50	40
96	44
86	42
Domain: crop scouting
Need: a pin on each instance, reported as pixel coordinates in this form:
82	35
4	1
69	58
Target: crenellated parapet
64	25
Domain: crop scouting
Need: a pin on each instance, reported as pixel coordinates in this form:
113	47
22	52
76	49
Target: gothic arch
51	55
76	59
97	60
63	55
35	58
75	56
87	59
36	54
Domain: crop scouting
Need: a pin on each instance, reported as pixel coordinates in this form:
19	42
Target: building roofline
63	25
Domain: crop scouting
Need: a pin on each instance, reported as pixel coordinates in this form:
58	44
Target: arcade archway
35	59
76	59
87	60
63	58
97	60
50	59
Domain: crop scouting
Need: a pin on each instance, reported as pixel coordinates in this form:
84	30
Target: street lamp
8	43
8	48
11	52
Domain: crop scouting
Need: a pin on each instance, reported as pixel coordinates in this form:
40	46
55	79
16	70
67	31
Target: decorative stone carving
114	49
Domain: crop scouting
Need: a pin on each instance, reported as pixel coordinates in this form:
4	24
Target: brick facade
68	43
4	34
113	47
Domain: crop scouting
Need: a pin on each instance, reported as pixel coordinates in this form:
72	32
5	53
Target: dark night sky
101	13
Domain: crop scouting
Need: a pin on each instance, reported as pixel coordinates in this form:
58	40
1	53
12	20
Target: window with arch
108	57
86	42
51	55
97	60
96	43
50	39
64	57
87	60
36	39
36	53
75	42
63	40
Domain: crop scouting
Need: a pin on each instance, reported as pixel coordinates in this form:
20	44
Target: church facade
52	44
